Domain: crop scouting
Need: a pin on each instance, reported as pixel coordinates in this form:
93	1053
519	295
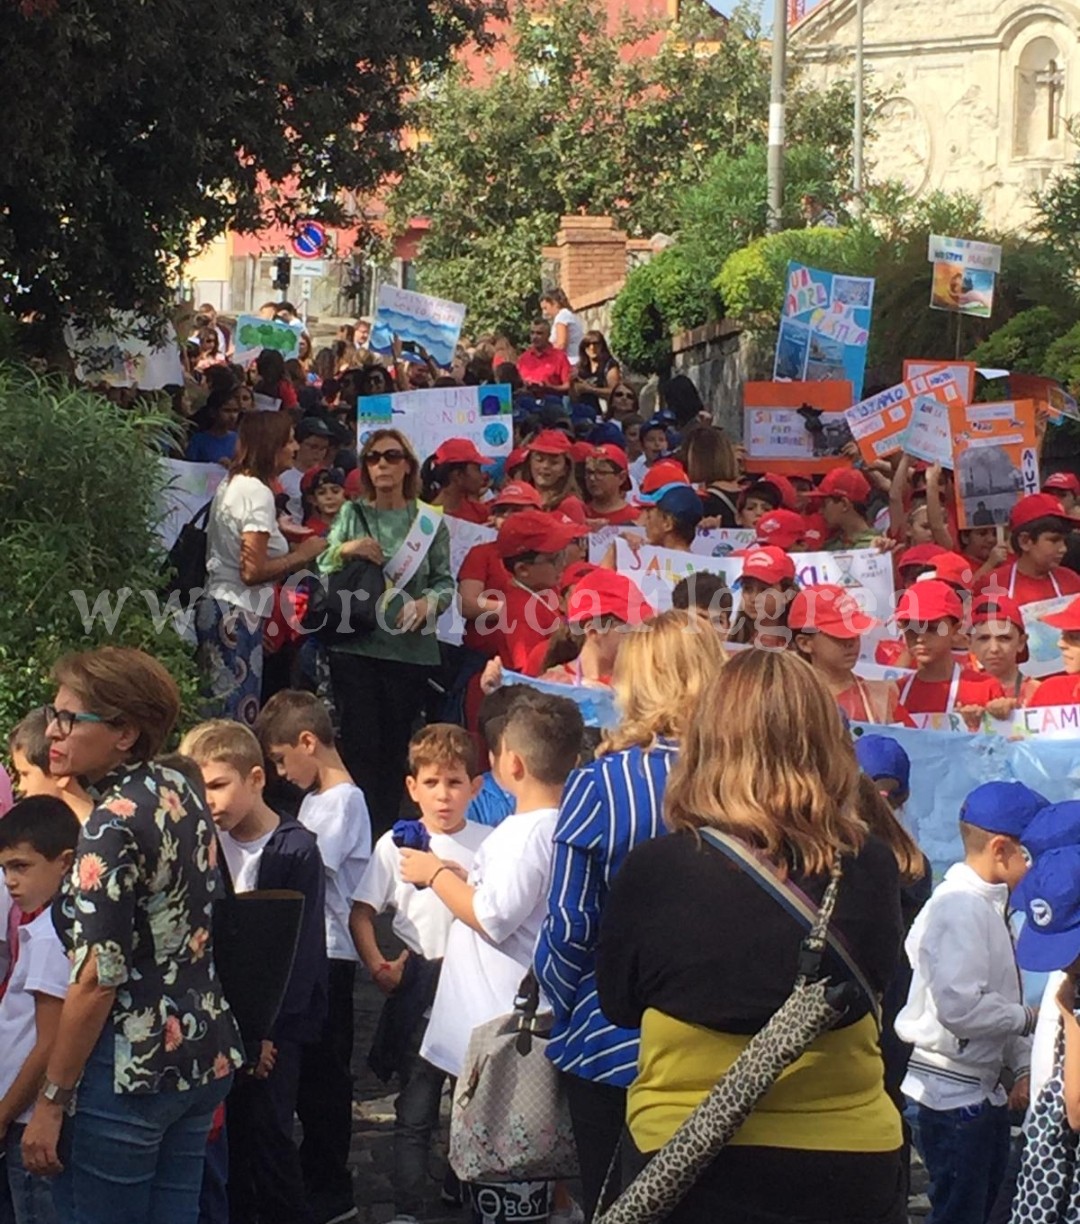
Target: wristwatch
56	1095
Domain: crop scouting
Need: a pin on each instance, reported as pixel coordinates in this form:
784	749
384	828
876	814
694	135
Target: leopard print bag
813	1007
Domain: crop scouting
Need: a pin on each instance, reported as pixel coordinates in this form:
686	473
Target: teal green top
432	579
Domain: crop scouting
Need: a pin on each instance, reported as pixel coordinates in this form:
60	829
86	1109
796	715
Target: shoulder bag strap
796	903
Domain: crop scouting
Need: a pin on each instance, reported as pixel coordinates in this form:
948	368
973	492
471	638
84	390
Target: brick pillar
591	257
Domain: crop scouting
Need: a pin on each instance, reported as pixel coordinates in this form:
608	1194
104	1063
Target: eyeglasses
66	719
373	458
622	395
592	343
592	469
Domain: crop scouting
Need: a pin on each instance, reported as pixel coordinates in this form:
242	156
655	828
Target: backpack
187	558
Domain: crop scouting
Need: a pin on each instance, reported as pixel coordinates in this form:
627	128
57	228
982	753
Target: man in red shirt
929	613
1039	525
1063	690
544	369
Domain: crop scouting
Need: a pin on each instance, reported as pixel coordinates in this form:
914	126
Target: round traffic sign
309	239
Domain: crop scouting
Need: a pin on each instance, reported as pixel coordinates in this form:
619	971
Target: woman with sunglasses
597	372
145	1034
622	402
380	678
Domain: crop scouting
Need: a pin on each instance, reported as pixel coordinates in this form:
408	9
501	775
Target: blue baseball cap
681	501
1002	807
880	756
607	433
1057	825
1049	896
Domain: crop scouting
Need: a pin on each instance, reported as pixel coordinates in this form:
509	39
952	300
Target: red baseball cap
574	574
929	601
954	569
663	472
844	482
1067	482
1036	506
550	442
459	450
1067	620
612	454
516	458
815	530
534	531
572	510
580	451
999	608
783	488
607	593
518	493
783	528
830	610
353	487
919	554
767	564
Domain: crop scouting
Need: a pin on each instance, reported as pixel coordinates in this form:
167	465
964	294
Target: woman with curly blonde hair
696	951
610	806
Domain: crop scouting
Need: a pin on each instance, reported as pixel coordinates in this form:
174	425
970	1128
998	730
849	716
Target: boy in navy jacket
262	851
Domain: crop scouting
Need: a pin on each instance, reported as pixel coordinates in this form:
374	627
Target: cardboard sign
253	334
657	571
928	436
450	627
1044	657
428	418
879	423
595	701
1047	392
962	371
124	353
964	275
429	323
722	541
777	436
865	573
995	459
824	327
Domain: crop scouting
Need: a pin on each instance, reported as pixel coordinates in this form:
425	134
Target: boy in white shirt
37	846
298	738
965	1015
441	782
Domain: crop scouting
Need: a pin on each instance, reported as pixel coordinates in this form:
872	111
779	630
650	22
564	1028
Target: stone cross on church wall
1054	80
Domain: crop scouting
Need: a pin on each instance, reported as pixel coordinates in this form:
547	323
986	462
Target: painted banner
964	275
450	627
126	351
253	334
928	435
484	415
1044	657
188	487
722	541
878	424
429	323
995	459
962	371
657	571
797	428
596	702
824	327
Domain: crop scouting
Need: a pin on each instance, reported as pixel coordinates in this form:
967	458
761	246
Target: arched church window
1039	97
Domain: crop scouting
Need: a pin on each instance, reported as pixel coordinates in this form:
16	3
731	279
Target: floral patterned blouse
141	892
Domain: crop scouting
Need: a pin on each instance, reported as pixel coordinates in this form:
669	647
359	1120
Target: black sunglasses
372	458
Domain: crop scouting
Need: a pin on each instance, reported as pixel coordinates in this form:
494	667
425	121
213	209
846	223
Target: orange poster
995	459
962	371
879	423
795	428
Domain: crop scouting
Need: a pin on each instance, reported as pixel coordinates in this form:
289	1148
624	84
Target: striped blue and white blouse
608	808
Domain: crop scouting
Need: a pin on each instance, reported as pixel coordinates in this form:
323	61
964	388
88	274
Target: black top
687	932
595	378
721	504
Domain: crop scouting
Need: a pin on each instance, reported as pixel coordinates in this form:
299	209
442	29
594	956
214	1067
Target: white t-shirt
480	976
242	858
241	504
339	819
421	921
574	332
42	968
290	482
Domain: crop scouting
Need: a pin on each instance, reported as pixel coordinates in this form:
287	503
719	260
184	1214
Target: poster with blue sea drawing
484	415
824	327
430	323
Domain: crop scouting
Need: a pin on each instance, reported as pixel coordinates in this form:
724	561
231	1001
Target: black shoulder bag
342	606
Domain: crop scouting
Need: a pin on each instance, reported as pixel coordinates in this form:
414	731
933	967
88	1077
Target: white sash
954	688
414	548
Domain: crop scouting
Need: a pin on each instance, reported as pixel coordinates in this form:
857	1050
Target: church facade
980	91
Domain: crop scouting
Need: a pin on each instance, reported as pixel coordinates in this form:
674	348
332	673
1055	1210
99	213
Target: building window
1039	98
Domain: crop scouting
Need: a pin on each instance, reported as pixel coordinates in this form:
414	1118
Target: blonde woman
609	807
694	950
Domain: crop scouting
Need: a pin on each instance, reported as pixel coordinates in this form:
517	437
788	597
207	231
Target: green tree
1022	343
136	132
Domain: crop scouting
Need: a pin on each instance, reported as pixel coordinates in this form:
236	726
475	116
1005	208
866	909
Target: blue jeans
965	1152
134	1158
31	1197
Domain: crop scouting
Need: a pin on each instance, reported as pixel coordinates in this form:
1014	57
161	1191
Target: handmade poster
722	541
796	428
125	351
188	487
865	573
484	415
824	327
928	436
450	627
601	540
596	702
657	571
1044	657
962	371
878	424
964	275
995	459
1047	392
429	323
253	334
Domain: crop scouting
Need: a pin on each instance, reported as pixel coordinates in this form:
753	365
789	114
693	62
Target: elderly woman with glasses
597	373
380	678
145	1046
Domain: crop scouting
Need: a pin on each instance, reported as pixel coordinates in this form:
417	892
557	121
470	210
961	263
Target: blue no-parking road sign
309	240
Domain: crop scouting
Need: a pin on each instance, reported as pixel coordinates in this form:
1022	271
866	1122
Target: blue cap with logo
1049	896
880	756
1058	824
681	501
1002	807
